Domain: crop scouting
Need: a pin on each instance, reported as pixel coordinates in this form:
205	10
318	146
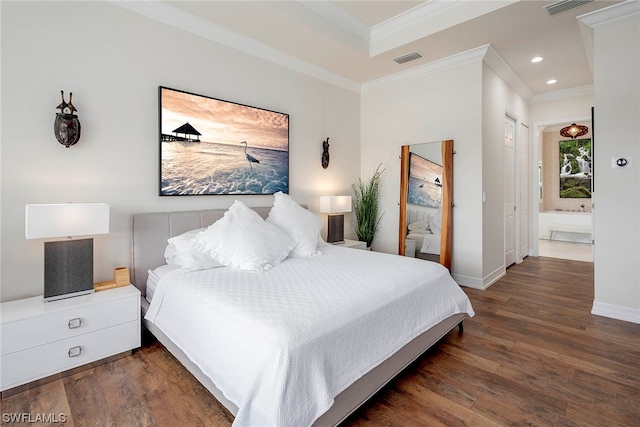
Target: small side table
40	339
353	244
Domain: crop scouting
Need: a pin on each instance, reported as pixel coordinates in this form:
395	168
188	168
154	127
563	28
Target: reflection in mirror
426	189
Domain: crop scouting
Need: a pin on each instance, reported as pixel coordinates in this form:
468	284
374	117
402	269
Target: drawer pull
75	351
75	323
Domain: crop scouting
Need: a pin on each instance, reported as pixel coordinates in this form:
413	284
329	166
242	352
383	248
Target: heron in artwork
249	157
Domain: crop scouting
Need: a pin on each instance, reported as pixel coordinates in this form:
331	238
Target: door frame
534	204
528	173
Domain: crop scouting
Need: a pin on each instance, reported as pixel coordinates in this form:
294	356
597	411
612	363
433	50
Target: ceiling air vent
563	5
408	57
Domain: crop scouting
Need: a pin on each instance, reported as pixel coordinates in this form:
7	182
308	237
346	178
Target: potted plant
367	196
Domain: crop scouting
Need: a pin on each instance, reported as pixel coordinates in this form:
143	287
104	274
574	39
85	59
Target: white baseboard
616	312
468	281
477	283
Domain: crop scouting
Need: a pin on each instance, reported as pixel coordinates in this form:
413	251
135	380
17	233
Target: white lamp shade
69	219
335	204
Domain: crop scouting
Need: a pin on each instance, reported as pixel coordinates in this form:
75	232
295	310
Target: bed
282	334
423	227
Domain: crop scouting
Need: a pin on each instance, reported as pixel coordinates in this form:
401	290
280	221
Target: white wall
617	195
441	105
498	100
113	61
559	110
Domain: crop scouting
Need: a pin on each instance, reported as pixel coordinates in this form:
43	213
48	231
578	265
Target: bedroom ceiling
357	40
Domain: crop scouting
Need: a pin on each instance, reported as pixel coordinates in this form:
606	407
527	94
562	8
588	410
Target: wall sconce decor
335	206
66	127
574	131
325	153
68	264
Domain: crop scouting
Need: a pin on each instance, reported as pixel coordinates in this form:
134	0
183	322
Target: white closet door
509	192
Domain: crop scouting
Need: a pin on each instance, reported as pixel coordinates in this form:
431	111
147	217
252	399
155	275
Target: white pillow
297	221
182	251
170	254
418	234
419	225
242	239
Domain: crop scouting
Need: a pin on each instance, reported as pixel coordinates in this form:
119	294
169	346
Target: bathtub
547	220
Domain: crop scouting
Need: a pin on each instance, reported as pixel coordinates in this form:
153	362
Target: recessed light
552	81
536	59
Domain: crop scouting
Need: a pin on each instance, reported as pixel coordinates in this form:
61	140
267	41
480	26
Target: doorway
562	223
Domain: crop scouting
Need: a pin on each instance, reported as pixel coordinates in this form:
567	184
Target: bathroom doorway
565	223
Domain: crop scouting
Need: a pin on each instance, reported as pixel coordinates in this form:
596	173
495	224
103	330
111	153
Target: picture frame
425	182
210	146
575	168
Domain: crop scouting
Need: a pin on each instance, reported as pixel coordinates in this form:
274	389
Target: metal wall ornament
325	153
66	126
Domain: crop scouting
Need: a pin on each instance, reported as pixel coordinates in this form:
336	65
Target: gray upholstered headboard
150	231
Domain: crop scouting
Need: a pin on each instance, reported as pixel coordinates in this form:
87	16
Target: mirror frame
447	201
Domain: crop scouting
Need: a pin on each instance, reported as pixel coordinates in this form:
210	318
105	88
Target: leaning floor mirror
426	196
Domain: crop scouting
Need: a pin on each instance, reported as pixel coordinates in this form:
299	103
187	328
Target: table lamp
335	206
68	264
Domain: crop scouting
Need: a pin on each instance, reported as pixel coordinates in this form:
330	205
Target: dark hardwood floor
533	355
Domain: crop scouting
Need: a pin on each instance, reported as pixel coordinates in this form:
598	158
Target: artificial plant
367	197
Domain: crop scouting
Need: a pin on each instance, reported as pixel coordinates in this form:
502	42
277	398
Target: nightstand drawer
35	331
24	366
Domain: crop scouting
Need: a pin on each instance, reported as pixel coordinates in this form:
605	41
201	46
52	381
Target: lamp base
68	269
335	228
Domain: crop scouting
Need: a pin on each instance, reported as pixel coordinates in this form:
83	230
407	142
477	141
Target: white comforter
282	344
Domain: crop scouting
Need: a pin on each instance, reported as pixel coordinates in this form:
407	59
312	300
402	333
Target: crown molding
425	69
586	33
561	94
329	20
612	14
184	21
339	17
426	19
601	17
485	53
390	33
506	73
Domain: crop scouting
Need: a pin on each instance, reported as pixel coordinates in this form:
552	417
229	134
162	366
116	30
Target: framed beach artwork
210	146
425	182
575	168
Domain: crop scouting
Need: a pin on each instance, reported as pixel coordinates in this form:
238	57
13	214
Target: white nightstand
40	339
410	248
353	244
